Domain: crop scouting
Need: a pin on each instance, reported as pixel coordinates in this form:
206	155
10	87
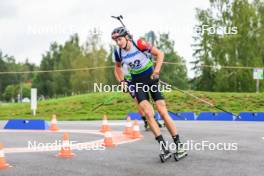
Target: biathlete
145	76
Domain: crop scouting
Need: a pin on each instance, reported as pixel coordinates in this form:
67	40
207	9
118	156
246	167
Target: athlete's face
121	42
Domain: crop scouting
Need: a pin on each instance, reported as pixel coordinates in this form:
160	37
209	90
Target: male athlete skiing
144	74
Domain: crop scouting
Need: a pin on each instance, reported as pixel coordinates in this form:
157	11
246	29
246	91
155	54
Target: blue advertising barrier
26	124
220	116
205	116
134	116
251	116
188	115
174	116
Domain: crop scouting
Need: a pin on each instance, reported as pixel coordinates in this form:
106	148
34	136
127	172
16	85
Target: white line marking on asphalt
74	147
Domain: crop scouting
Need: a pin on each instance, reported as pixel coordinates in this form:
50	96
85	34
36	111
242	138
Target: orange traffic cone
105	127
108	140
65	151
128	128
3	164
136	131
53	126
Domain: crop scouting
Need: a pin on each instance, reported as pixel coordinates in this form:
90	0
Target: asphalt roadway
245	157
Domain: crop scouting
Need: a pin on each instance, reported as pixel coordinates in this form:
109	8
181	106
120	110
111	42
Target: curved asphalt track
141	157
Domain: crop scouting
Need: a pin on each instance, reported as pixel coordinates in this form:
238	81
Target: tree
174	74
235	42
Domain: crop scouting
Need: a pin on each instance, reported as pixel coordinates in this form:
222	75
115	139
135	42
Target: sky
28	27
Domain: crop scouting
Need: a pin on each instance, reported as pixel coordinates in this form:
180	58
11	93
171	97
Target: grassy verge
80	107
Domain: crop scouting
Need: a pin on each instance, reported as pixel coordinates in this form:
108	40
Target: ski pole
101	104
201	100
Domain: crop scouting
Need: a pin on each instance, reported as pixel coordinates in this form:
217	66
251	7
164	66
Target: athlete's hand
155	76
124	85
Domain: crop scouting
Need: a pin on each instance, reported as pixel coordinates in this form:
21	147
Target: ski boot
180	152
165	152
164	156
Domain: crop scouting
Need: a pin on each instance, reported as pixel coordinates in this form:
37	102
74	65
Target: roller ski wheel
165	156
180	155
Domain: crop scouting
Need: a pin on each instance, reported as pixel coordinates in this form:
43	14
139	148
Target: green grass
80	107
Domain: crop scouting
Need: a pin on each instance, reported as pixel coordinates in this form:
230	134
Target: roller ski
165	152
180	153
164	156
